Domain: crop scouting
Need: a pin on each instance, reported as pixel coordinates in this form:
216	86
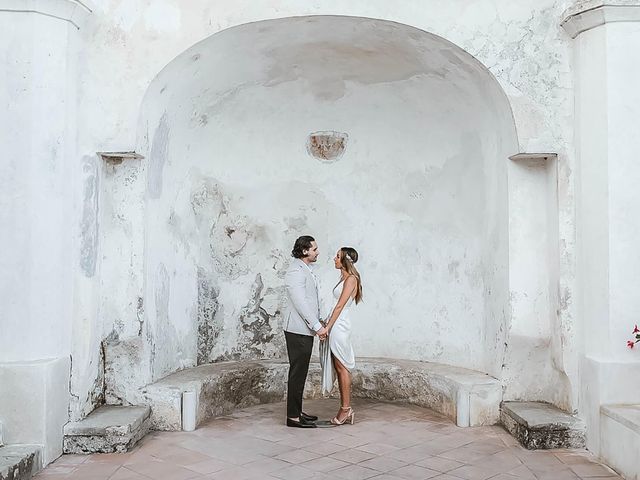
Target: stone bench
20	462
468	397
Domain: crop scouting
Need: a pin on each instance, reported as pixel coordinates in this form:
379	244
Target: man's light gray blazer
303	310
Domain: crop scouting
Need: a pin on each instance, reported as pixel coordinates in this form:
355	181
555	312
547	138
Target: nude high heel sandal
349	418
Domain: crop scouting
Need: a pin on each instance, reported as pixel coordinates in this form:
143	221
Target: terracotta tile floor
388	442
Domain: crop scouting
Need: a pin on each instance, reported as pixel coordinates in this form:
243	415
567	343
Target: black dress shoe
308	418
301	424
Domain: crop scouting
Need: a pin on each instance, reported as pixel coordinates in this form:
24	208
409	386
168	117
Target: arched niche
418	187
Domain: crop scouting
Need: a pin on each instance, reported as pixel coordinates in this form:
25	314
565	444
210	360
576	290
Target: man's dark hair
302	243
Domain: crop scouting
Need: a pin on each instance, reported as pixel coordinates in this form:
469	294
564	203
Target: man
301	324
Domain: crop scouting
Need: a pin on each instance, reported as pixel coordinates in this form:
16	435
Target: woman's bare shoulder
350	282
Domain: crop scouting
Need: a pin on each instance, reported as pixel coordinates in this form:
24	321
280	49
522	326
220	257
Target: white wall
608	230
592	204
35	248
606	113
623	97
125	45
37	189
230	187
534	368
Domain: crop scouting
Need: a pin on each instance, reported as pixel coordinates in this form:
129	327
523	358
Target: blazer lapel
314	281
307	271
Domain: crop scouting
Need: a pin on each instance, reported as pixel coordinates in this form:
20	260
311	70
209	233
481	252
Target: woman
336	349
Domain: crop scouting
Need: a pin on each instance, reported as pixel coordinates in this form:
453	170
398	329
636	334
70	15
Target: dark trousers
299	349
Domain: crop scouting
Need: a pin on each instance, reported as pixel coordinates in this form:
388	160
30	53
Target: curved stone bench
468	397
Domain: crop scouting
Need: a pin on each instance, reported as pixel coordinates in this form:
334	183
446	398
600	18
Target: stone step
108	429
538	425
20	462
620	438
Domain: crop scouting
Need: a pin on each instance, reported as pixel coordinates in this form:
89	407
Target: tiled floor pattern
387	442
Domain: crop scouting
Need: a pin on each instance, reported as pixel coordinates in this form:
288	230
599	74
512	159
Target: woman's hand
322	333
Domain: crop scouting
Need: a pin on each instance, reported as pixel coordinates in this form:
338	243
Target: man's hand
322	333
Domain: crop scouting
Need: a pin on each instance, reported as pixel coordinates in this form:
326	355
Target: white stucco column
38	43
607	74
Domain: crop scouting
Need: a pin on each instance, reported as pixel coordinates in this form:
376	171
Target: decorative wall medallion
327	147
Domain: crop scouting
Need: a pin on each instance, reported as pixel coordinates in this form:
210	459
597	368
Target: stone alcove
420	190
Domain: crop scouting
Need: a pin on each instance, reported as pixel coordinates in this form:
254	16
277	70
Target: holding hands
323	333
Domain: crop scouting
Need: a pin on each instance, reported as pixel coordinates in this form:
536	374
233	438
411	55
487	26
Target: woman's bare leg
344	384
333	361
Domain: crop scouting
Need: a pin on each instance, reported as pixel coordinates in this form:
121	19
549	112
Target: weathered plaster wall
127	43
417	191
122	201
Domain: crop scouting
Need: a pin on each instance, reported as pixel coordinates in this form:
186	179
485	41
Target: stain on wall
162	293
158	158
208	329
89	218
229	246
258	326
126	368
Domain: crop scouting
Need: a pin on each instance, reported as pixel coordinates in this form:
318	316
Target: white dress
338	343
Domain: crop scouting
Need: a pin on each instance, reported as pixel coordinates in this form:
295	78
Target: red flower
631	344
636	330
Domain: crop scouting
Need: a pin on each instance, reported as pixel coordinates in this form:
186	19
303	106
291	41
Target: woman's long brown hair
348	257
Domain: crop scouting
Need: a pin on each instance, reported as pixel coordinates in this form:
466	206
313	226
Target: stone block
108	429
538	425
34	403
620	438
20	462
